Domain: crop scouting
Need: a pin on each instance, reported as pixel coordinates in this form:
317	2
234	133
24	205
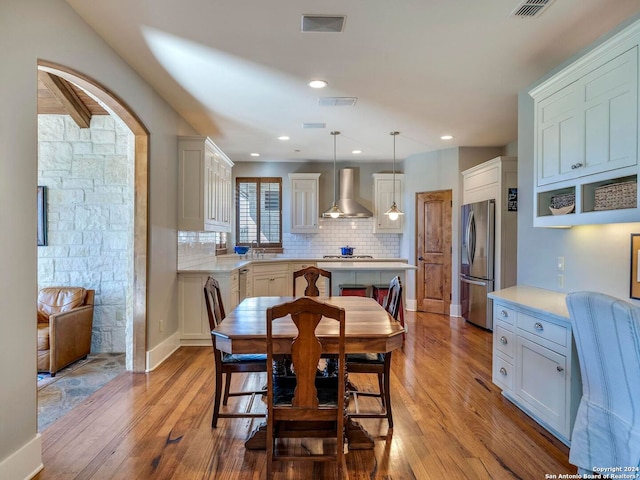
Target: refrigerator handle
471	238
473	282
465	241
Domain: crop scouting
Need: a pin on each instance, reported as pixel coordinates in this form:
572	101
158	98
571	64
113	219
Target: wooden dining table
368	329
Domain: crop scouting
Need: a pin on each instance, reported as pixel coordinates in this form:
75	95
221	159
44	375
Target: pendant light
394	212
334	211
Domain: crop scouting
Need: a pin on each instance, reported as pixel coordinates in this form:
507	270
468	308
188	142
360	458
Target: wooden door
433	251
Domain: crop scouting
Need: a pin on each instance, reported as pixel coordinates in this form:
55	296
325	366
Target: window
259	212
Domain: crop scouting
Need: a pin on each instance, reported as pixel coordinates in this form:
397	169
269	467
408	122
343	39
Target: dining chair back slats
311	275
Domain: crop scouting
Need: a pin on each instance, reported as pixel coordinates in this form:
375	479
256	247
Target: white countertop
207	262
369	265
538	299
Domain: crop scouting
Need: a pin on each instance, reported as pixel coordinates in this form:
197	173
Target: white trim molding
161	352
25	463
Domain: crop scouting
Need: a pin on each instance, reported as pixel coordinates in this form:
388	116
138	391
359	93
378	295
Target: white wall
50	30
597	257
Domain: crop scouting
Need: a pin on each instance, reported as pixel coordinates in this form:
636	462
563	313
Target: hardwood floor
450	422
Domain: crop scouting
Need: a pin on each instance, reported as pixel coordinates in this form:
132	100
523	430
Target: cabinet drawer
504	314
503	339
503	373
270	268
544	329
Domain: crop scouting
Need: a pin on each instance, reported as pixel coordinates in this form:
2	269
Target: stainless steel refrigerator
477	262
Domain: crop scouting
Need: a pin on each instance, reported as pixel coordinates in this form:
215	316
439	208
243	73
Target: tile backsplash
341	232
332	234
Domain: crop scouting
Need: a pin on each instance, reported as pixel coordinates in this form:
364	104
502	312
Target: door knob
421	259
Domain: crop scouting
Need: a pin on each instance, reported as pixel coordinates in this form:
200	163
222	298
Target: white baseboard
24	463
161	352
455	310
412	304
195	342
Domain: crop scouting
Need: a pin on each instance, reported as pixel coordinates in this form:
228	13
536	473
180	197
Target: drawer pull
559	368
503	371
503	313
538	326
503	339
576	165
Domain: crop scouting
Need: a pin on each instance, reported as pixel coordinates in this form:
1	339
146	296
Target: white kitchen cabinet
586	133
192	311
383	197
494	179
204	186
534	357
271	280
304	202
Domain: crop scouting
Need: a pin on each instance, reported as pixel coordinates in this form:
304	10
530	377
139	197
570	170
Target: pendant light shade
394	212
334	211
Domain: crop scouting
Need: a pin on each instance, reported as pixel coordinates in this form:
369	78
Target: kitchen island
365	273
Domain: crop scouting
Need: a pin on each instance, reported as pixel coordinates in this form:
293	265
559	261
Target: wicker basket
616	196
563	200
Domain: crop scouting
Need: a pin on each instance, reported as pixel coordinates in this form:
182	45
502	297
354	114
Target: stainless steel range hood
346	203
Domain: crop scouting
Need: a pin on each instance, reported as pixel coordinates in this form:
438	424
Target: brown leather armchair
65	320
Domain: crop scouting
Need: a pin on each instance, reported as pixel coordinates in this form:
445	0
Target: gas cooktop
347	256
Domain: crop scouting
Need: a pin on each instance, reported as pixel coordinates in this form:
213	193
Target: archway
141	158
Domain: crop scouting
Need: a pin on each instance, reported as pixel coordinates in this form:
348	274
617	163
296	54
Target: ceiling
237	70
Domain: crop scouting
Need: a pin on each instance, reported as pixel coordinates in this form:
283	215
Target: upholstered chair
606	433
65	320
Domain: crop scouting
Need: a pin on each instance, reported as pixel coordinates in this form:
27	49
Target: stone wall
90	190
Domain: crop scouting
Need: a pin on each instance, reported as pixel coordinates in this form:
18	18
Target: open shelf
546	200
598	196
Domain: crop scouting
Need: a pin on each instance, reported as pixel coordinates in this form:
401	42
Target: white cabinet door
541	382
383	195
271	280
611	114
270	285
304	202
559	139
204	186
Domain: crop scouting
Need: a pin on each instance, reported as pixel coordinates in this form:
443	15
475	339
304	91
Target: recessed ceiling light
255	154
356	152
283	137
446	137
318	83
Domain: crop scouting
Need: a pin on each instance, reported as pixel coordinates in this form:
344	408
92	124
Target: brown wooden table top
369	328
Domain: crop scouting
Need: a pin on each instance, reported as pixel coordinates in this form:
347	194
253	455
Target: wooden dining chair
311	275
301	403
226	363
377	363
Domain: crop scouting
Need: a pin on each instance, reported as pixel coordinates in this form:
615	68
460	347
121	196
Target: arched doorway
141	152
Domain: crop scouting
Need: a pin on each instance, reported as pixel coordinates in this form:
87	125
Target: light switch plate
561	264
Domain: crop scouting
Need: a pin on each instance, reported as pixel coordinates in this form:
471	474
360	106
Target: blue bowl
240	250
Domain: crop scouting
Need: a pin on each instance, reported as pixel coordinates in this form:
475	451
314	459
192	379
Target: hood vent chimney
347	203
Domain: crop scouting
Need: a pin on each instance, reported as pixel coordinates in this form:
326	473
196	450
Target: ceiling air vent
530	8
337	101
313	125
323	23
